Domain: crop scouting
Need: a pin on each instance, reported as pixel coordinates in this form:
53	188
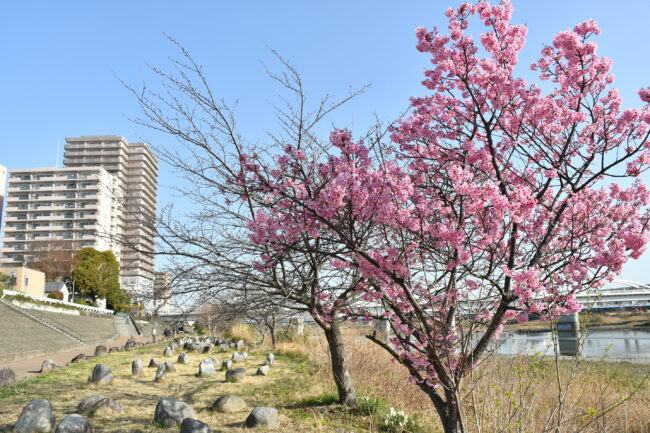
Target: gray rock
154	363
224	347
226	364
235	375
241	345
183	358
266	417
207	348
238	357
168	351
195	347
99	404
79	358
269	359
190	425
49	365
113	349
137	367
36	417
101	374
74	423
263	370
206	368
229	403
160	374
7	377
101	350
170	412
170	367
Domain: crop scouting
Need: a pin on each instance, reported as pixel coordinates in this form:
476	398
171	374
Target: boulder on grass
101	374
153	363
206	368
190	425
229	403
183	358
79	358
171	412
137	367
269	359
238	357
263	370
235	375
49	365
160	374
265	417
226	364
7	377
170	367
36	417
224	347
168	351
99	404
113	349
101	350
74	423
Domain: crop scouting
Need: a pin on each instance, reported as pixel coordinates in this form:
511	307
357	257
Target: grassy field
290	387
515	394
594	320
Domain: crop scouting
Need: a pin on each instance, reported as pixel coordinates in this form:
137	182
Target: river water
632	345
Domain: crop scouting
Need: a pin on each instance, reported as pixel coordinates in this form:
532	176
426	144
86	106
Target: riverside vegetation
509	394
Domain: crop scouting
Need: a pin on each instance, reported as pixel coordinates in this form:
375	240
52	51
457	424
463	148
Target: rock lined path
33	365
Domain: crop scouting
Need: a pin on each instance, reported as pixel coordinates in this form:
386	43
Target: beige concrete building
63	208
136	168
162	289
25	280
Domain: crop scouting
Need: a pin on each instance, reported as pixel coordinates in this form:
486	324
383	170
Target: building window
26	281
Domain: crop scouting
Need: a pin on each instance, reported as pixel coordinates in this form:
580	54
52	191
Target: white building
136	168
71	208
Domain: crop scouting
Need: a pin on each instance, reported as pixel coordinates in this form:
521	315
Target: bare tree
54	258
210	246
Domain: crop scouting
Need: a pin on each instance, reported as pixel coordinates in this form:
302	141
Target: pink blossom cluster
496	202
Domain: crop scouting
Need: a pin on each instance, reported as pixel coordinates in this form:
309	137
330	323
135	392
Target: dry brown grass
242	331
511	394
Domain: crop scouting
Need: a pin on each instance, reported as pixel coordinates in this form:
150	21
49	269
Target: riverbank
608	321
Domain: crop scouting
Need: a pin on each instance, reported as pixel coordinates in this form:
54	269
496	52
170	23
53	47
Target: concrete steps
36	316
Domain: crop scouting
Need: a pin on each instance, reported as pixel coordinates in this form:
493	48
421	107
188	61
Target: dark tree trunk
448	411
342	378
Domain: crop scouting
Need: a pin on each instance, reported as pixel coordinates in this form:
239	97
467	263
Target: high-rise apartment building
136	168
162	291
3	180
62	208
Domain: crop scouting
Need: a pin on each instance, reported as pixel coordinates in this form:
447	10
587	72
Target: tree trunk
342	378
449	413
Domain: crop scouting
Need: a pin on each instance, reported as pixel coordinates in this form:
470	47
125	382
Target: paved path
33	365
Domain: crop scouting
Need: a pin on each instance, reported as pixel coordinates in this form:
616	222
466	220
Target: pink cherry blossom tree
495	200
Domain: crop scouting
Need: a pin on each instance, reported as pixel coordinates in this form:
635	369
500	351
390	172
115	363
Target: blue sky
59	60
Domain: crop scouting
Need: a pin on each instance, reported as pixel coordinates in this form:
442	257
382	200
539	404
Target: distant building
65	208
25	280
3	180
58	286
136	168
162	289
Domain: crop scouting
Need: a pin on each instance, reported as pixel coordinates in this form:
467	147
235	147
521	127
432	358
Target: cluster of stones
38	416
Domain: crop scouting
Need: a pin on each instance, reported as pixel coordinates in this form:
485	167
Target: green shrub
56	295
